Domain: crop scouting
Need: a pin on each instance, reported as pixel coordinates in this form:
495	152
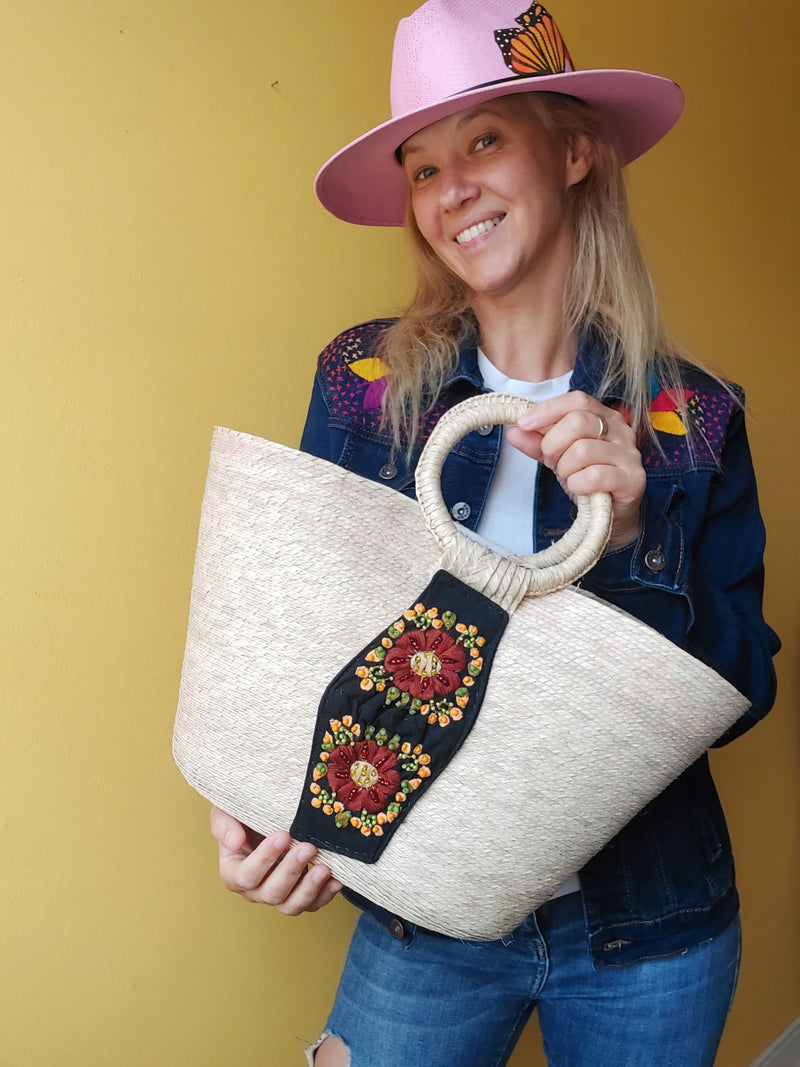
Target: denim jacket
695	574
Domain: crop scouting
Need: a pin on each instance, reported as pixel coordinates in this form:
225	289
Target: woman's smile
472	231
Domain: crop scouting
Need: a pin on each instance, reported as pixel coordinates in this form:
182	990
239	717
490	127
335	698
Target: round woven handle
553	568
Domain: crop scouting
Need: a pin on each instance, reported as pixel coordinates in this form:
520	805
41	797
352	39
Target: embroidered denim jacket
695	574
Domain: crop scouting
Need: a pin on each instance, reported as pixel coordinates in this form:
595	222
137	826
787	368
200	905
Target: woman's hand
267	871
589	448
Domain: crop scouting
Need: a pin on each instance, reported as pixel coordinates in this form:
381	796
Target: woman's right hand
267	871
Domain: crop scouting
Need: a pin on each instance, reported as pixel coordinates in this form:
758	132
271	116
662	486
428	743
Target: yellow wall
165	267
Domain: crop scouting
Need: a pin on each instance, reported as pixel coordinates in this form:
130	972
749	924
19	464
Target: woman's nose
457	188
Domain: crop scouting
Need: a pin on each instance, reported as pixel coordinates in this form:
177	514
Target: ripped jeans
432	1001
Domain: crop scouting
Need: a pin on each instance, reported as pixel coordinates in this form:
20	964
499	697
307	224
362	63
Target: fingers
590	448
327	890
527	441
573	432
581	475
271	870
573	416
227	830
274	872
313	890
547	430
602	465
283	879
547	413
243	870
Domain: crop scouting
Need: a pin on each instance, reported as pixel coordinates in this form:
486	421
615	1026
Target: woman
508	164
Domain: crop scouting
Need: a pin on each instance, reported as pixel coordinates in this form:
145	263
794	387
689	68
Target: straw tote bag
457	730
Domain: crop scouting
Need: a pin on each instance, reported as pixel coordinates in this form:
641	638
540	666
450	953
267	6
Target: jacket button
396	929
387	471
461	511
484	431
655	560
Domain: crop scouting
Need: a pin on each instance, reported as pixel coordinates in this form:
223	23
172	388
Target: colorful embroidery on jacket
698	439
354	379
354	382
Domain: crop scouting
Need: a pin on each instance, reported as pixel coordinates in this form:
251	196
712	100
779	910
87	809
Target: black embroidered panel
393	718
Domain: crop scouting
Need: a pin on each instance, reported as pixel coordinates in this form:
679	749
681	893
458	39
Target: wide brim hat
454	54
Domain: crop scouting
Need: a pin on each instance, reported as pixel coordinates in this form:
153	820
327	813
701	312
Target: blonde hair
610	292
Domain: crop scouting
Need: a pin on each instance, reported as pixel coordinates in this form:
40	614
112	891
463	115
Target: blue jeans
432	1001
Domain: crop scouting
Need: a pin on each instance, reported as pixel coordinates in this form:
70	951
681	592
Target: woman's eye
423	173
486	140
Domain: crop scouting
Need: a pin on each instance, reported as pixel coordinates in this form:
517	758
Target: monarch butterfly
538	48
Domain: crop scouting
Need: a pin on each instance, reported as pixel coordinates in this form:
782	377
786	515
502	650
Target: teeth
478	228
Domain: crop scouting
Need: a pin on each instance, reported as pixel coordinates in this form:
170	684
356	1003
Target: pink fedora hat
454	54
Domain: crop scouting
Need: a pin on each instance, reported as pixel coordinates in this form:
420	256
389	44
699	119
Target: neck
522	331
526	342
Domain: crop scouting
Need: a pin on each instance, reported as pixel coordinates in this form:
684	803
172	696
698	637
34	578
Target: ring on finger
603	431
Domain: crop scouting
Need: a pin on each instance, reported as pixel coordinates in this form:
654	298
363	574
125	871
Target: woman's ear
580	159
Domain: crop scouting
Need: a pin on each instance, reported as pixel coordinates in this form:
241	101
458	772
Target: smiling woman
507	165
490	195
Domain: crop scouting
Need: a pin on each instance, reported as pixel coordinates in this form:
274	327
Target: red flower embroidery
363	776
426	663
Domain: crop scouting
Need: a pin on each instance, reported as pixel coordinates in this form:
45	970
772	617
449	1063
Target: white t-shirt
508	515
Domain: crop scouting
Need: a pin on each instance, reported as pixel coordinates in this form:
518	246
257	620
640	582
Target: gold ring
603	431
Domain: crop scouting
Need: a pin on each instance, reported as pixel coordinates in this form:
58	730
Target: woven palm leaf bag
457	730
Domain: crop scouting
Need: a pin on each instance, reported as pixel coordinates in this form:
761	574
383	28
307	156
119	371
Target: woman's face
489	193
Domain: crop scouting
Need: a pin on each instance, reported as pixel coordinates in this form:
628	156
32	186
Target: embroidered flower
372	370
362	775
426	663
368	779
665	412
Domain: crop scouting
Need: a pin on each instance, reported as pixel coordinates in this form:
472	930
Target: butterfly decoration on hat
538	48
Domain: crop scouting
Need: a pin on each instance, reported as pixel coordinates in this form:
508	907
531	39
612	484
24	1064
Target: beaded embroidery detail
426	663
362	783
392	719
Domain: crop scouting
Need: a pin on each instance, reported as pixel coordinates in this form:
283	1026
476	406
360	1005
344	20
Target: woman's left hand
589	448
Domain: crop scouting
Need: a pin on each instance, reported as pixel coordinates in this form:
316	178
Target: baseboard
784	1051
